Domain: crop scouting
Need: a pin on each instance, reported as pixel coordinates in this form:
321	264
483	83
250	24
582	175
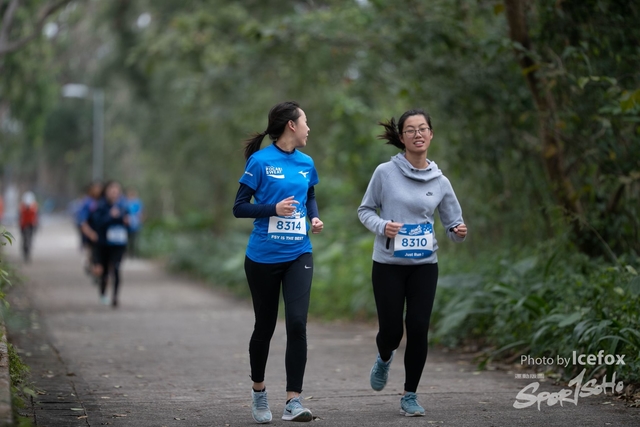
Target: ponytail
392	131
253	144
279	116
391	134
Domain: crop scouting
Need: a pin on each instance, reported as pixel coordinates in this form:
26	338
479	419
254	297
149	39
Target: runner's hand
286	207
316	225
391	229
460	230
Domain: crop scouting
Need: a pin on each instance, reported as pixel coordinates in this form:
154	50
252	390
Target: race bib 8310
414	241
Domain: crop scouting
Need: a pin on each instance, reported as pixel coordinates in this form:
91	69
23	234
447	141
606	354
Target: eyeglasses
412	132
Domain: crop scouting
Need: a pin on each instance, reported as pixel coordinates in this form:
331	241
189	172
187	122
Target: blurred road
175	353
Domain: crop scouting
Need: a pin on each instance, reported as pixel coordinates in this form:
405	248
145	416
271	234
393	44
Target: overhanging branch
8	46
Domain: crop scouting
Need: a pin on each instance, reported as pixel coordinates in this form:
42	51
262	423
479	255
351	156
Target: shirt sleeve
252	174
243	208
368	210
314	180
450	210
312	204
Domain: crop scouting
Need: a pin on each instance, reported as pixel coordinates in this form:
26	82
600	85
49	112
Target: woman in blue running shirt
281	181
399	206
109	222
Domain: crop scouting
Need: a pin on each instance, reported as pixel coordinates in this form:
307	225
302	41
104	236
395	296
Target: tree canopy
535	103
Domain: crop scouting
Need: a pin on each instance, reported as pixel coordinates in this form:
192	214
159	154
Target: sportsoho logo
527	397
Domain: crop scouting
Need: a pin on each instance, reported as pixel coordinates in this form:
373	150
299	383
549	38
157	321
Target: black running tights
264	282
110	257
393	285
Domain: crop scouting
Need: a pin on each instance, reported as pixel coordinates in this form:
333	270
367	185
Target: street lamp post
75	90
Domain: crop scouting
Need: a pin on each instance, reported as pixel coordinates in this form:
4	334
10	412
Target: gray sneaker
260	407
294	411
409	406
380	373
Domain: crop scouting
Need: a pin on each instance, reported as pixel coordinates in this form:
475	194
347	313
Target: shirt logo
274	172
248	173
303	173
429	193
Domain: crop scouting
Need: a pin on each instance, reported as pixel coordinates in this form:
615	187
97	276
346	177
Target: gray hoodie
404	194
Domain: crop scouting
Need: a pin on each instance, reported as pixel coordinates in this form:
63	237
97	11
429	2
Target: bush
549	304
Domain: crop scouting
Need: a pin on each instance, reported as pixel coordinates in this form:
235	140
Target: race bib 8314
287	229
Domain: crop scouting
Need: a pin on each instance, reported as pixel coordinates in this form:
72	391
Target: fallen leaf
82	417
77	409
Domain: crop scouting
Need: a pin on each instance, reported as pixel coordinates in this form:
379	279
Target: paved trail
175	354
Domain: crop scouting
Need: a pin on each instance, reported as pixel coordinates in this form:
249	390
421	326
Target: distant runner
109	221
28	223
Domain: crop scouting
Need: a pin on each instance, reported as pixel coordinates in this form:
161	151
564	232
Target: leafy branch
9	19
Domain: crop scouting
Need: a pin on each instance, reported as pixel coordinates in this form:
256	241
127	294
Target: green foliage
5	237
18	371
200	253
548	304
21	388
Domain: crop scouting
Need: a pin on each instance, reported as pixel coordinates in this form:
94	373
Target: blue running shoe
294	411
380	373
260	407
409	406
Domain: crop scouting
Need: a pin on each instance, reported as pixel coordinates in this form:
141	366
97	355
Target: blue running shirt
276	175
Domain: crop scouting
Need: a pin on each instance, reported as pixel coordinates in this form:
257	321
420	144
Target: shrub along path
175	354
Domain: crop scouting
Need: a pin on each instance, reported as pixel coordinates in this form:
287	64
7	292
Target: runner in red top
28	222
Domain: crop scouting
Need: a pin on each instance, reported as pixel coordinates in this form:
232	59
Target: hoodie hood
423	175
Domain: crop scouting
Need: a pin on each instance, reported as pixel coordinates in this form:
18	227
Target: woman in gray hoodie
399	207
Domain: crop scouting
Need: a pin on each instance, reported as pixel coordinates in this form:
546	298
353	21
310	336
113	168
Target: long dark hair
279	116
392	131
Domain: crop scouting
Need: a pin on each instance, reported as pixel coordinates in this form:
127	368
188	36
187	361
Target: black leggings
392	286
110	257
264	282
27	240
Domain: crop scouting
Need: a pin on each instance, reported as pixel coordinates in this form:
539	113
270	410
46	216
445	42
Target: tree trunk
552	150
